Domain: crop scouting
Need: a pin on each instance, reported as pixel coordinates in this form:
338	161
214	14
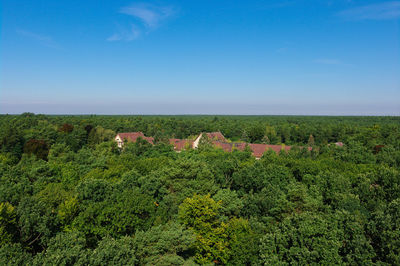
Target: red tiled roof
240	146
218	140
278	148
225	146
216	136
259	149
132	136
180	144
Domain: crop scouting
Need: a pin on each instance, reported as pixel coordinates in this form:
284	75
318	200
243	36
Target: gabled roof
132	136
258	149
278	148
225	146
217	139
216	136
180	144
240	146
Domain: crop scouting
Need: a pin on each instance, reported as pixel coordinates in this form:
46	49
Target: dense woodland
69	196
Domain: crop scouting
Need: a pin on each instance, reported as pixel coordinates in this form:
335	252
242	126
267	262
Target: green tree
242	243
302	239
200	214
37	223
231	204
121	214
99	134
112	251
384	229
270	133
169	244
256	133
11	141
8	223
64	249
14	254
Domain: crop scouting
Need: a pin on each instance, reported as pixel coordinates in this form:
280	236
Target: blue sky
324	57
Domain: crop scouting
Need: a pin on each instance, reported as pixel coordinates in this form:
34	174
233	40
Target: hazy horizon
198	109
200	57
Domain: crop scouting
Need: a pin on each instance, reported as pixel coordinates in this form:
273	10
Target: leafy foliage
70	196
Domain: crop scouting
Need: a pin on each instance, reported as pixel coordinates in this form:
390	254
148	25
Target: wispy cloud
148	17
380	11
42	39
125	34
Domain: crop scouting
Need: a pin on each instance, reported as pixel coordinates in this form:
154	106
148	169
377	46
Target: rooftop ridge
217	138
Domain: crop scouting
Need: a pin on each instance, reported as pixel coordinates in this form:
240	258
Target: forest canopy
70	196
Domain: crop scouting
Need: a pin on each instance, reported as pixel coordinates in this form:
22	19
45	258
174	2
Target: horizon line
200	114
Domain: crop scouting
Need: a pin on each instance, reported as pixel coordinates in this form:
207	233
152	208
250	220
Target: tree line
70	196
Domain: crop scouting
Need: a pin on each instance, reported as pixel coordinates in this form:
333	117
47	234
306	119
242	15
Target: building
339	144
257	149
181	144
131	136
216	136
217	139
